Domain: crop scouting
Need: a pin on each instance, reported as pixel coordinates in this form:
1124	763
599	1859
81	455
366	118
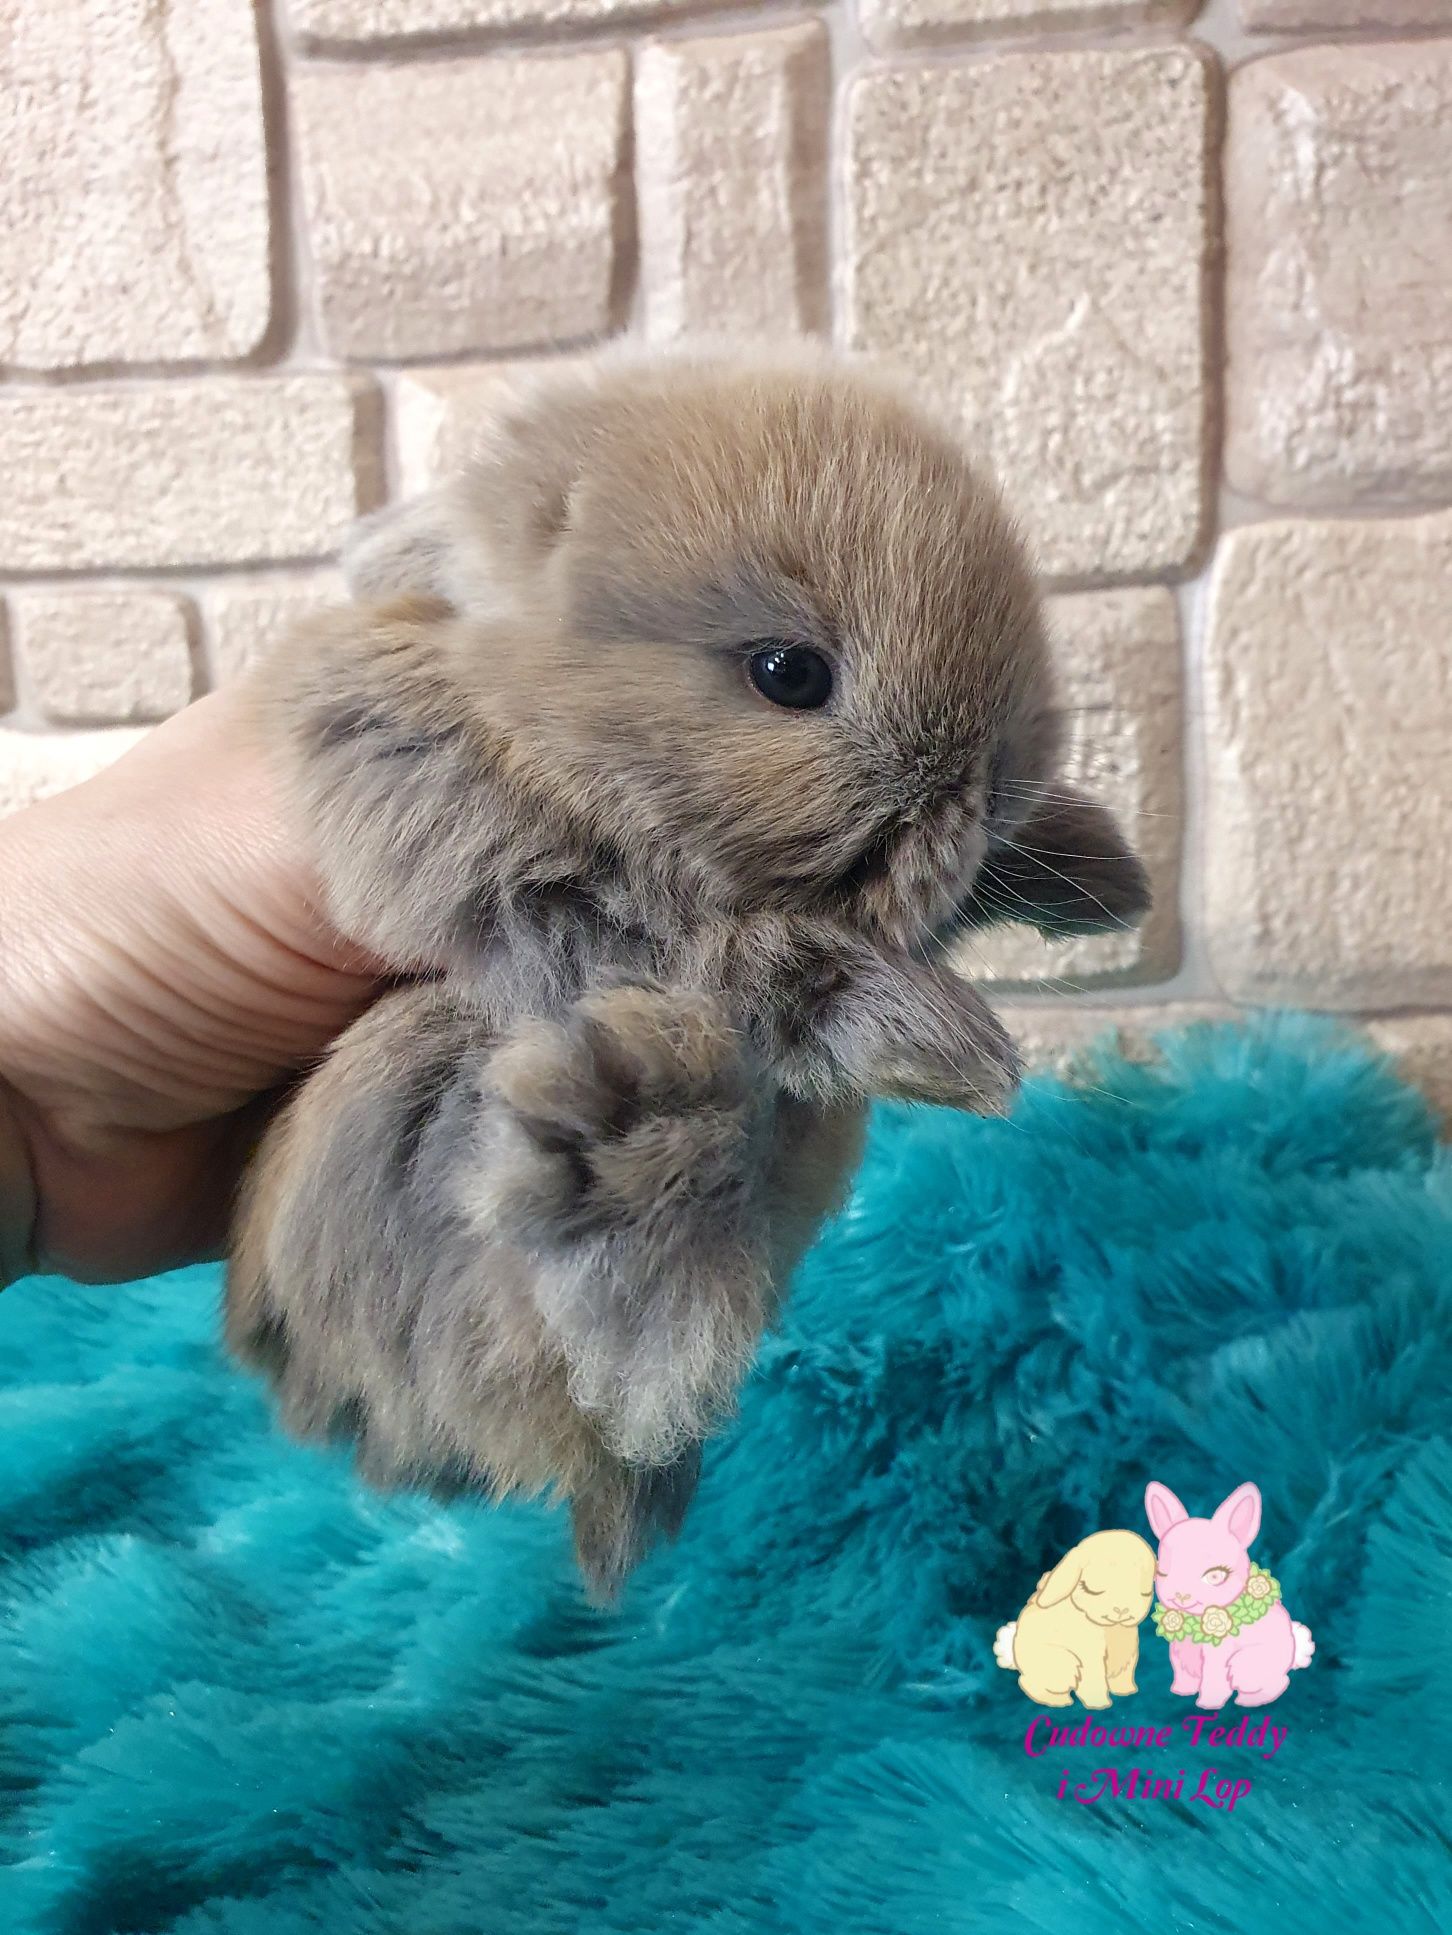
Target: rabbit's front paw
639	1104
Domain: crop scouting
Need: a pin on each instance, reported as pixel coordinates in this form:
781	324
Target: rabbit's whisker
1077	885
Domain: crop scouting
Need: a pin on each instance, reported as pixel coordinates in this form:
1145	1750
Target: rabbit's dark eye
791	675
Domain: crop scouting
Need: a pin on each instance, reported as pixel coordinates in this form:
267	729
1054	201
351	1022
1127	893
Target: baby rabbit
663	752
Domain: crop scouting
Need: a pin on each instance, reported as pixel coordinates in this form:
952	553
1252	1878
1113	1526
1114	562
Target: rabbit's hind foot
624	1512
1043	1696
1261	1696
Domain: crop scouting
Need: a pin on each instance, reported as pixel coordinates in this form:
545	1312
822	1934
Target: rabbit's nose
1183	1598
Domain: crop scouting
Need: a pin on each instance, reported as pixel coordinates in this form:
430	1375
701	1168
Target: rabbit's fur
526	1224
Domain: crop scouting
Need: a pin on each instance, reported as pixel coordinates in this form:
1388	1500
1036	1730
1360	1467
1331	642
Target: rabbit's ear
530	456
914	1032
501	515
1239	1515
401	550
1062	1580
1068	869
1162	1508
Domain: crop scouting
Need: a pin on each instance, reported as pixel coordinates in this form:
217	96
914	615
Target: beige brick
1061	1037
1339	217
731	136
209	470
1421	1047
7	675
33	765
244	615
1329	699
440	415
1282	16
133	199
1029	232
362	23
463	204
1120	654
103	657
903	23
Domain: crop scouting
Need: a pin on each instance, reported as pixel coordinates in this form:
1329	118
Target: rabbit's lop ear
1239	1515
1062	1580
403	550
479	539
1067	869
529	458
916	1033
1162	1508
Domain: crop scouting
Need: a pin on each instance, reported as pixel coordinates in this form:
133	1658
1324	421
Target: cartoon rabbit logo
1078	1636
1220	1611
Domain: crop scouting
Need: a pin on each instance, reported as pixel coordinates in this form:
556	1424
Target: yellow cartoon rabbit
1079	1634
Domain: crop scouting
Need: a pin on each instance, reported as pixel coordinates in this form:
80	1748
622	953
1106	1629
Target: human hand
165	968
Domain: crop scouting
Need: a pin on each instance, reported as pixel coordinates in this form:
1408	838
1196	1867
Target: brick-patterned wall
1188	276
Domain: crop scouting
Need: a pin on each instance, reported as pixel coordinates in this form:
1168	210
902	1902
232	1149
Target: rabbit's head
764	622
1107	1577
1202	1561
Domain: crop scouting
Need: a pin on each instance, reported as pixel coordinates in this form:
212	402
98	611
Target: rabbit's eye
1096	1592
791	675
1218	1574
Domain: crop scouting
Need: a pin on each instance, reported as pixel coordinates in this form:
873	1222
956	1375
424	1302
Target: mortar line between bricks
845	52
724	23
1216	24
1196	979
280	337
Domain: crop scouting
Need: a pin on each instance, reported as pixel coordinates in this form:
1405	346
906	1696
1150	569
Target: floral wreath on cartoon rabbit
1228	1630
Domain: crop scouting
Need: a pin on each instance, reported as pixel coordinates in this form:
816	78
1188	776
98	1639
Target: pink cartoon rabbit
1222	1613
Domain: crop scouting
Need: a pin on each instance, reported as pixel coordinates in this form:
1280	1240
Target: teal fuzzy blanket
240	1696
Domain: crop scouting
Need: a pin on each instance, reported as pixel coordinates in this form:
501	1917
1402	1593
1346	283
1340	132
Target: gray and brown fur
525	1226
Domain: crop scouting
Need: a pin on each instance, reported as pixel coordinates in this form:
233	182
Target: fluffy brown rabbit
665	751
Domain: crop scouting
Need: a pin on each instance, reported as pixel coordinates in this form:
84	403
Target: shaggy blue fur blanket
241	1696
